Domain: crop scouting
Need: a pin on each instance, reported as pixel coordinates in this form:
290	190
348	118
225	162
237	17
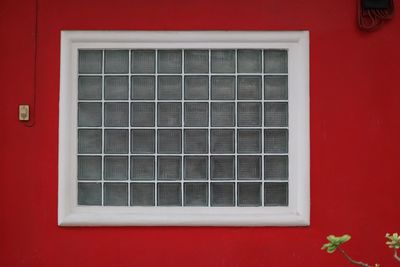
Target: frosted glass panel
196	114
115	194
249	61
249	87
89	193
116	114
169	141
275	61
196	168
89	168
223	61
116	87
142	194
89	87
142	114
90	61
169	61
222	194
196	194
169	194
196	141
143	87
89	114
249	194
196	87
222	114
143	61
115	168
196	61
223	167
276	194
142	168
169	87
116	61
116	141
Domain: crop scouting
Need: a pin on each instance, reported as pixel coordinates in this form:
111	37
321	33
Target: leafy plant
334	244
394	243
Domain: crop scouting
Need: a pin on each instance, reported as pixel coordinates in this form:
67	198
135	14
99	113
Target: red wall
355	123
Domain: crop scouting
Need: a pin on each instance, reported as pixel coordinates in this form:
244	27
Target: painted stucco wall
355	124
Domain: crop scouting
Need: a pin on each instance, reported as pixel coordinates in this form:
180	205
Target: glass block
143	61
276	141
142	114
223	61
249	141
142	141
249	167
222	114
115	194
276	194
169	194
222	141
143	87
196	87
275	61
196	141
169	168
222	194
249	60
169	87
116	61
196	61
89	141
196	194
169	141
89	87
276	115
249	194
249	114
90	61
142	168
89	168
276	87
222	167
249	87
89	193
116	114
89	114
169	114
196	168
142	194
276	167
196	114
116	141
115	168
223	87
116	88
169	61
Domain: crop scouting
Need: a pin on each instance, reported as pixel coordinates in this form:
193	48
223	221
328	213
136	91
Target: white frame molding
297	213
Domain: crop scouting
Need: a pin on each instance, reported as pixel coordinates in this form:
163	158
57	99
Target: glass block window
186	128
205	128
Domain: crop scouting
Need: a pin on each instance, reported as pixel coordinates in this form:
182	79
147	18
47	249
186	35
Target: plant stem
396	256
351	260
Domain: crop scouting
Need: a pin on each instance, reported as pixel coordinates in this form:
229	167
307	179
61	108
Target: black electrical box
376	4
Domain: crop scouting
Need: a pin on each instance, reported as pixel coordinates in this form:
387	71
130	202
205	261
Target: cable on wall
31	110
373	13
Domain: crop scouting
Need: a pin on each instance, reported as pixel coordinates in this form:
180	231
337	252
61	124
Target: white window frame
297	213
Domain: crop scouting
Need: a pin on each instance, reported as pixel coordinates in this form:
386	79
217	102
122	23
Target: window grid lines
239	125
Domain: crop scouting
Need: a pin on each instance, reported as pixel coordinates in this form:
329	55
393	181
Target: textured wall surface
355	123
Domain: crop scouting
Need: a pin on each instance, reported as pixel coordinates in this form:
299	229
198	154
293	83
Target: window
184	128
